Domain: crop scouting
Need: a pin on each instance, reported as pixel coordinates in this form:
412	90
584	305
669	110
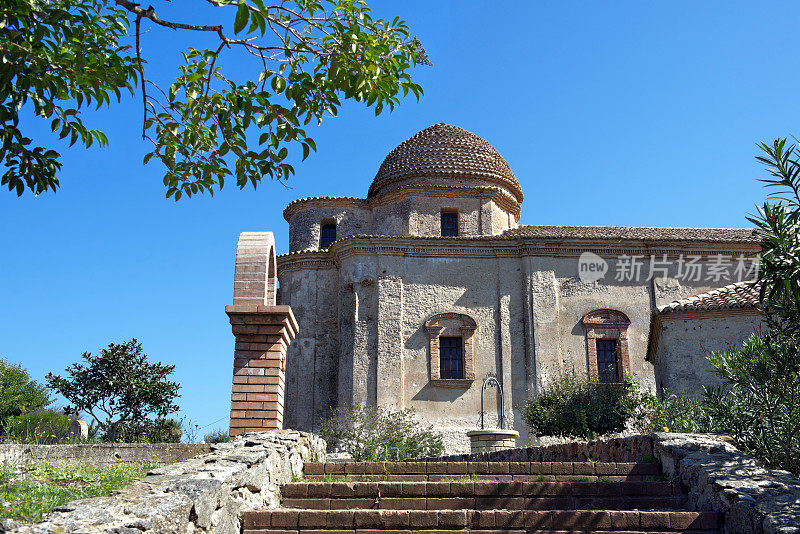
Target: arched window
452	349
607	344
327	234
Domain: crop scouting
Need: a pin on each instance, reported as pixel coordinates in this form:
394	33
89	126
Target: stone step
283	521
599	469
496	478
466	488
492	503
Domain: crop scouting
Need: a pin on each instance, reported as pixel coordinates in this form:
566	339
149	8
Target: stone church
409	297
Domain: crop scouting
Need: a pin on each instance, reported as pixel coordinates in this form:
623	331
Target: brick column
263	331
259	367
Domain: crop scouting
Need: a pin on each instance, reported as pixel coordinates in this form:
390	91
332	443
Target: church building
411	296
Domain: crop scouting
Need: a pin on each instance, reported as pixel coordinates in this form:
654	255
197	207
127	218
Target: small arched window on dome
327	234
607	345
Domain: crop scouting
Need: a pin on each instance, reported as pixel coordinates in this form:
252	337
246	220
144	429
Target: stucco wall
680	359
412	213
313	357
362	337
305	224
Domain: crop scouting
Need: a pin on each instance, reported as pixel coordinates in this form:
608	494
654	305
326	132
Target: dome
444	151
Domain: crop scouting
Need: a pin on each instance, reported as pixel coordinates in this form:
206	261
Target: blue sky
612	113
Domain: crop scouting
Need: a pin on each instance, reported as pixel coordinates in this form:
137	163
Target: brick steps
482	498
484	495
495	478
404	469
492	503
361	521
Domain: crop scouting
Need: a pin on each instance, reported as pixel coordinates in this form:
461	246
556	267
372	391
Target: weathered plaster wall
312	361
411	213
681	364
560	300
202	494
362	329
305	224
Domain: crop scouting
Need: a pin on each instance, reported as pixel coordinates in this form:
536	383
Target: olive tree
302	59
118	387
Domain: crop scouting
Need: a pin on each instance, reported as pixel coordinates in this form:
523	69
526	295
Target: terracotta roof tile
738	295
444	150
634	233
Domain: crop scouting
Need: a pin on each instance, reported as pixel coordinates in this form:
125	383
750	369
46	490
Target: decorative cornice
500	197
504	246
305	261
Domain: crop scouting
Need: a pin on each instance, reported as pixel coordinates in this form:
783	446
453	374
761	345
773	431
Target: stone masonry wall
100	453
202	494
718	476
721	478
629	449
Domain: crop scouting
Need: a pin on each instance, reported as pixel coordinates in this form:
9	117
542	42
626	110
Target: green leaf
242	16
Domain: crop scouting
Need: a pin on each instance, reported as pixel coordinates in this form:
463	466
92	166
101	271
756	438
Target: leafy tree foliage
18	393
759	402
778	222
58	57
305	57
119	387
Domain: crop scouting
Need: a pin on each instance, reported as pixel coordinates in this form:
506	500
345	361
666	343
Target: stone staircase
483	498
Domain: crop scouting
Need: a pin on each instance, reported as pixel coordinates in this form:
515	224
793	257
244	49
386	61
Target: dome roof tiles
444	150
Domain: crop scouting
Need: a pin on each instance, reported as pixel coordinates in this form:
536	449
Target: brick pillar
263	332
259	367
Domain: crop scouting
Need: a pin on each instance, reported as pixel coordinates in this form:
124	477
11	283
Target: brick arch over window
452	325
607	325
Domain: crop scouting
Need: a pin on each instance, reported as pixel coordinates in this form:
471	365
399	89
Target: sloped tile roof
634	233
738	295
444	150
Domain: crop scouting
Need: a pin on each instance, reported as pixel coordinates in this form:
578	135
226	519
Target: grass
27	493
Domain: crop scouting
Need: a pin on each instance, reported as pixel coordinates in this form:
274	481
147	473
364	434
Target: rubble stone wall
100	453
202	494
721	478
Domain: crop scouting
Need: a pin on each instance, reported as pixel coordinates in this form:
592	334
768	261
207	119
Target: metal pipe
491	380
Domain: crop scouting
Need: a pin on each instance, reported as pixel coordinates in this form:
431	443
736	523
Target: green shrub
217	436
572	405
672	413
42	427
18	393
149	431
372	434
759	400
